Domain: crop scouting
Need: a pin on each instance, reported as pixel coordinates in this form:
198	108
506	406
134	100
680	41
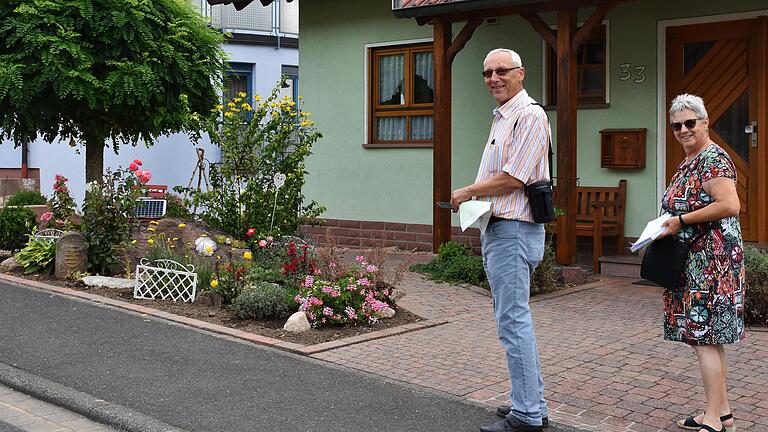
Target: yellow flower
175	239
257	98
153	223
286	98
181	225
133	242
242	94
219	107
214	283
231	104
229	114
234	110
247	255
150	229
236	100
246	106
304	123
151	241
300	98
203	235
305	113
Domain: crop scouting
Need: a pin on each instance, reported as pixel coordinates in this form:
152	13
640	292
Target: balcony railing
278	19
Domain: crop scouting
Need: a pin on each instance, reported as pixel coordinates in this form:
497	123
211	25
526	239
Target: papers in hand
474	213
651	232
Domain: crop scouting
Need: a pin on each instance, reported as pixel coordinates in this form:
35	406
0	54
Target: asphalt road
201	382
5	427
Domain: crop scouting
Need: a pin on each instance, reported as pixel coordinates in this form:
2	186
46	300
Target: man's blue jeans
511	252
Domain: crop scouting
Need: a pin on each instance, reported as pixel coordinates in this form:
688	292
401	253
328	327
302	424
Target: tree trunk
94	159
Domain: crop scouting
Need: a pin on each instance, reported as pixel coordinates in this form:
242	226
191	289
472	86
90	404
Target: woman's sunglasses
689	124
500	71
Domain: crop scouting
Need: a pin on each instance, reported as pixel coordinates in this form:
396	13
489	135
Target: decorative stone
386	312
207	298
71	255
297	323
573	275
10	264
108	282
205	246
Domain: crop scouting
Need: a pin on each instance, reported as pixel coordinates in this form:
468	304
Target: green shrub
756	301
176	208
16	223
258	274
21	198
37	256
544	279
450	250
261	300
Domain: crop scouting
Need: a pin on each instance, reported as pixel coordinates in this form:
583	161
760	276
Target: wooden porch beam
541	28
566	136
441	151
593	21
463	37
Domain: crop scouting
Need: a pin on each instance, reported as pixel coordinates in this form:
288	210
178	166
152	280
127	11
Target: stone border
305	350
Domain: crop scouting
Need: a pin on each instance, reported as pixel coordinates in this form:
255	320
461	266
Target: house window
237	79
401	94
290	84
590	71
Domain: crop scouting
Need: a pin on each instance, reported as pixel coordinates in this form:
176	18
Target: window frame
583	101
244	70
409	109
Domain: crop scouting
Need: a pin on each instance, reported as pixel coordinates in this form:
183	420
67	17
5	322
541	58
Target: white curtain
421	128
425	68
390	128
391	76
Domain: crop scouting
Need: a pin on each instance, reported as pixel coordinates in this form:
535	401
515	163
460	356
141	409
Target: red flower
133	166
250	232
137	162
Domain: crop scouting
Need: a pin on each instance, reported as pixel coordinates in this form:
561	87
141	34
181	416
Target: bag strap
549	137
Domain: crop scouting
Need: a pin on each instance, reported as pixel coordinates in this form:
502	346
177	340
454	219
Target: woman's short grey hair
515	57
689	102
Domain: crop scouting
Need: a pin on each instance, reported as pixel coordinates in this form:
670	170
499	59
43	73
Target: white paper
652	231
475	213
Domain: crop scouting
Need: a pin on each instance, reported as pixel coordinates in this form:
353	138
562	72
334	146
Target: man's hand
459	196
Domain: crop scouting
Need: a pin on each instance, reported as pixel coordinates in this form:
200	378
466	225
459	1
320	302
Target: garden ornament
279	181
205	246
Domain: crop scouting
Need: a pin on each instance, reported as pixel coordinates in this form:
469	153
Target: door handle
751	129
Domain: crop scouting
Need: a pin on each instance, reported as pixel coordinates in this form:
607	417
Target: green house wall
395	184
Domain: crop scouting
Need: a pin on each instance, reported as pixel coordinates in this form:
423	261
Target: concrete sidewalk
604	360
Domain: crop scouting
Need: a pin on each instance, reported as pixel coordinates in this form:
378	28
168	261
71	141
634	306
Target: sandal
691	424
709	428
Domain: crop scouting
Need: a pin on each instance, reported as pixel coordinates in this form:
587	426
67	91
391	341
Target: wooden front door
724	63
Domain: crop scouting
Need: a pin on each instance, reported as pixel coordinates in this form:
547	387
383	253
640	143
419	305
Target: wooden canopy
566	41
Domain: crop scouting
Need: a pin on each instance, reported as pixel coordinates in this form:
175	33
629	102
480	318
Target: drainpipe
276	22
24	160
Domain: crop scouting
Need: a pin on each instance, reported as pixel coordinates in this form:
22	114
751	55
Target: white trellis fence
165	280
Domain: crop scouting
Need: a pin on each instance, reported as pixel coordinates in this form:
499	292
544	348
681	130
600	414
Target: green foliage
450	250
107	212
257	142
21	198
16	223
37	256
756	302
93	70
261	300
176	208
258	274
544	279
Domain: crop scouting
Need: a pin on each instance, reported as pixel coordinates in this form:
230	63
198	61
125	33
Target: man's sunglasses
499	71
689	124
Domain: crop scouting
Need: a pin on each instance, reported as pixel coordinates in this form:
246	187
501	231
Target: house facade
262	46
373	169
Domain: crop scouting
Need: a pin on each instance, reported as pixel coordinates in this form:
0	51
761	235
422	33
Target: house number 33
627	71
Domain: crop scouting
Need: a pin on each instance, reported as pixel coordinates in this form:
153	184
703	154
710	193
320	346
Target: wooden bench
600	214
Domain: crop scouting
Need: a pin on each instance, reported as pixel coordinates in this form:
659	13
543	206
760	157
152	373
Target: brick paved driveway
605	363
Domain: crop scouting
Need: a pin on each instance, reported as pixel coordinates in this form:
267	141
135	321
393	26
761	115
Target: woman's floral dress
708	306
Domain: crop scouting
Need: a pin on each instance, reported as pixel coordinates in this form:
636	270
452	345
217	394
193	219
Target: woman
707	309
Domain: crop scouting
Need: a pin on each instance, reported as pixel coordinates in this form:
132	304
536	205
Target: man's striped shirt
518	145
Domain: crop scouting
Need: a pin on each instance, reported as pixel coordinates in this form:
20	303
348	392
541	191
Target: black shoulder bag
540	194
664	260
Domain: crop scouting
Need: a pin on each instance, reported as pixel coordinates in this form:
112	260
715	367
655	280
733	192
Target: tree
98	70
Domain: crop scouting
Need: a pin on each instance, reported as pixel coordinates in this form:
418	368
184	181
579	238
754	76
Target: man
513	245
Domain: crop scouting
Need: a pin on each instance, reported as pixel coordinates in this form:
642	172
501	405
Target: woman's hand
672	226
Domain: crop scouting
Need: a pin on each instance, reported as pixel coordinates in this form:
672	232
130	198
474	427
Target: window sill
399	145
580	106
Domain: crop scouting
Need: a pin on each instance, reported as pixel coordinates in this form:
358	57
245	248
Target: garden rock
10	264
398	294
207	298
297	323
386	312
71	255
108	282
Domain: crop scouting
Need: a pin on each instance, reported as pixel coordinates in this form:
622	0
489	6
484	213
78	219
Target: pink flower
371	268
351	287
46	216
262	244
364	282
270	239
133	166
359	258
327	311
308	281
137	162
250	232
59	221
